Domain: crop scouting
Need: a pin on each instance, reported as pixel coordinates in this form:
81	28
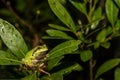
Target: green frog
35	59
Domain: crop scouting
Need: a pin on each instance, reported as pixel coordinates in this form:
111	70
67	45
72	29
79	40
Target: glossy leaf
58	27
117	74
118	2
80	6
108	65
57	33
62	14
97	16
13	39
64	48
70	68
8	59
111	11
30	77
53	62
86	55
101	36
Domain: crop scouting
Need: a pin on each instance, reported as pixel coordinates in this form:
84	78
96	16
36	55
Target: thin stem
112	35
90	5
94	5
90	9
8	4
30	27
91	69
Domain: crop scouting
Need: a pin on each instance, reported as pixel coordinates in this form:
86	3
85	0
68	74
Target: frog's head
39	50
36	56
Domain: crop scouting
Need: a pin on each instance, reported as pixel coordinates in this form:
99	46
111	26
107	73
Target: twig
8	4
91	66
35	39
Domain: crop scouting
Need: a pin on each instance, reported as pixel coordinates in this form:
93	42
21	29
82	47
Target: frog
35	59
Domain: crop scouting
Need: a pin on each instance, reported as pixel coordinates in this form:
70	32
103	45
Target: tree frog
35	59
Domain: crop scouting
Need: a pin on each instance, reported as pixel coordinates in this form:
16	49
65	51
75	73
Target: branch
8	5
35	39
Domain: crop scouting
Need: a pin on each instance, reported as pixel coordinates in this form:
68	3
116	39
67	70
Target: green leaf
62	1
70	67
117	74
95	1
45	78
54	76
118	2
53	62
111	11
64	48
97	16
108	65
80	6
86	55
82	37
62	14
117	29
0	44
51	37
101	36
13	39
57	76
8	59
58	27
105	45
101	79
58	33
109	30
30	77
96	44
117	25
